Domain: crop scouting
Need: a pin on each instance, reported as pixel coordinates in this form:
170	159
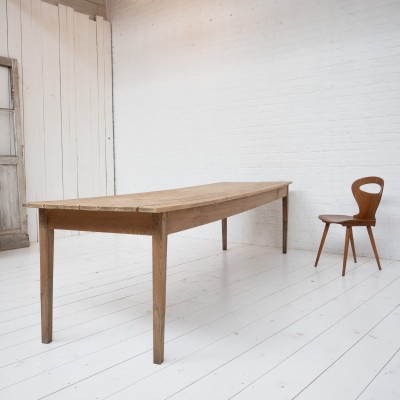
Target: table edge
153	210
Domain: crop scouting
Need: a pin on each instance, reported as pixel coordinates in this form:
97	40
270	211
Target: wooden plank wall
66	82
92	8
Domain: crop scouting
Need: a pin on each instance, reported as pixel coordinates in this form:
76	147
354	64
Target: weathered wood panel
32	69
63	80
94	111
67	65
3	29
82	78
52	102
9	204
108	110
88	7
102	112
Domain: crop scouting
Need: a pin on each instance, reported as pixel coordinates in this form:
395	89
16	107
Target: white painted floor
248	323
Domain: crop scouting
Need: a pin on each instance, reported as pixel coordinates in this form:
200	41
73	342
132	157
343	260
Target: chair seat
346	220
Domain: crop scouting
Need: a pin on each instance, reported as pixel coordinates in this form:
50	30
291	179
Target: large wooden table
157	214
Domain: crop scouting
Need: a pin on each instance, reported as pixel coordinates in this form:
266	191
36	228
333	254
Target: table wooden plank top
165	200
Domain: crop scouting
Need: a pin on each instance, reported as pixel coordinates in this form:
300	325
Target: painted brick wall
256	90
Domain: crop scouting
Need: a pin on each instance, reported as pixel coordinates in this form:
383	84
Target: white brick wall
256	90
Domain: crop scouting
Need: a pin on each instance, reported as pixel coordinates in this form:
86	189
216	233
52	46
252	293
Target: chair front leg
346	248
371	238
321	246
353	249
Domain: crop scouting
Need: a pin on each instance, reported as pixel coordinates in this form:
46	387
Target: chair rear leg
346	249
371	238
353	249
321	246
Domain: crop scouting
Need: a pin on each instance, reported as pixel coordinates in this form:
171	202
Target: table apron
141	223
180	220
101	221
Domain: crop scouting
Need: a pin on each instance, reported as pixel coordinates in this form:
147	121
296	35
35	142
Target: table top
165	200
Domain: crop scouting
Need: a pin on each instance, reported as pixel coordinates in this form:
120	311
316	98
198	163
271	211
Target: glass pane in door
7	136
5	88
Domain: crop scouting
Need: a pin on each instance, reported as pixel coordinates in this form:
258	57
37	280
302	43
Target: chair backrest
367	202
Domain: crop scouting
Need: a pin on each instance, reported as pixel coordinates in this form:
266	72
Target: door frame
16	238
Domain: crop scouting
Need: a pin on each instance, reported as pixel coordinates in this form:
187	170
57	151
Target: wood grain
179	220
46	276
285	218
321	246
346	249
353	247
159	284
224	224
167	200
9	207
371	238
106	221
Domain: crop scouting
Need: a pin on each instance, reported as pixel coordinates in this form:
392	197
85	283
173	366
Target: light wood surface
166	200
159	214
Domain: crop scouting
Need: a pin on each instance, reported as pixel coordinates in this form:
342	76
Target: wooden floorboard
240	324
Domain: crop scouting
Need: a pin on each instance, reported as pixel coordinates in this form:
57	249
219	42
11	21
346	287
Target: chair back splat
367	202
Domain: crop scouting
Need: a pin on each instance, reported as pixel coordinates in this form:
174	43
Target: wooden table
157	214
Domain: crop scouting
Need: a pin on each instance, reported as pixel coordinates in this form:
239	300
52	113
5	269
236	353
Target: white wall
66	91
259	90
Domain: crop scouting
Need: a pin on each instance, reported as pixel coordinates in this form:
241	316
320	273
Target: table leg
224	233
46	237
285	206
159	285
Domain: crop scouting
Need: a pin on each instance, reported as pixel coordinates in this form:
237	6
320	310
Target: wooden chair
368	204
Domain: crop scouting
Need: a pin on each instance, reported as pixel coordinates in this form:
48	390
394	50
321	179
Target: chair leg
346	249
322	243
353	249
371	238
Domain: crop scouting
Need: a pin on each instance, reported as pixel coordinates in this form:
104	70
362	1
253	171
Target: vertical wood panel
27	116
51	102
31	18
88	7
82	79
9	204
102	121
108	109
67	69
94	110
3	28
15	44
66	94
14	29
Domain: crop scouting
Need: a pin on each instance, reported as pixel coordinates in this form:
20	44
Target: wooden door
13	221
